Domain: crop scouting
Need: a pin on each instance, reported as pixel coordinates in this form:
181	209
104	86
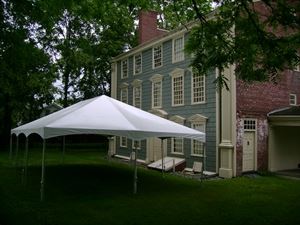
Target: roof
289	111
183	28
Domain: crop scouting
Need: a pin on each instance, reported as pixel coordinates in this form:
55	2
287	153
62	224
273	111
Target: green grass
89	190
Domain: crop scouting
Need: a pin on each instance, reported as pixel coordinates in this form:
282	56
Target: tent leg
135	170
109	151
63	149
162	157
10	148
17	151
26	161
43	171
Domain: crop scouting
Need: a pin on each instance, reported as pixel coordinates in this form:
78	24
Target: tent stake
135	169
43	171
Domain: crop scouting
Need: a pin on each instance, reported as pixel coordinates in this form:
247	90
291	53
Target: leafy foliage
262	38
25	72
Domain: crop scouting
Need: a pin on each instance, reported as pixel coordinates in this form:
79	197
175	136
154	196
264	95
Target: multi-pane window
157	56
178	49
136	144
197	146
157	94
177	145
177	87
124	69
249	124
124	95
123	141
137	64
137	96
293	99
198	88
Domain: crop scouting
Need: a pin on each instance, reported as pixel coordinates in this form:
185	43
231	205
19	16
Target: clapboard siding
207	109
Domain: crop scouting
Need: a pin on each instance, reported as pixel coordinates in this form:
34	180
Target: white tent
106	116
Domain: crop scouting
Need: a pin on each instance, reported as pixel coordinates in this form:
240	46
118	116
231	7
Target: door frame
250	128
150	149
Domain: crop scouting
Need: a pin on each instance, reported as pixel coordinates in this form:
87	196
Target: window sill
198	103
173	62
195	155
156	67
177	153
177	105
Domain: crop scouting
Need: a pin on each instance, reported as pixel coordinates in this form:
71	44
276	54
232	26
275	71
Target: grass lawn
90	190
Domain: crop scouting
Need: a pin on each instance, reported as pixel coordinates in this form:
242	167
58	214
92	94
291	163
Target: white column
228	126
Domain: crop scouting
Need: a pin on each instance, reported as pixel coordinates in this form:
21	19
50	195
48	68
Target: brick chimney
148	26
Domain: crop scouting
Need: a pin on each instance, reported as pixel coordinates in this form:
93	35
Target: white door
154	149
248	151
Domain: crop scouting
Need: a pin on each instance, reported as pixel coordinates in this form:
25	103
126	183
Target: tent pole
43	171
17	150
26	161
162	156
109	151
135	169
63	149
10	148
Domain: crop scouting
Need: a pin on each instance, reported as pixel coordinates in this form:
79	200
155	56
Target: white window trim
295	99
154	79
123	146
179	120
134	73
175	74
192	90
137	83
200	119
173	49
252	120
297	68
124	86
192	141
159	106
161	56
122	75
172	147
139	145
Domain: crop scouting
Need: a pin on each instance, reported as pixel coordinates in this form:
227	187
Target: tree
25	73
73	41
82	37
262	38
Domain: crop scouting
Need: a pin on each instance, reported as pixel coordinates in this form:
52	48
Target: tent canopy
106	116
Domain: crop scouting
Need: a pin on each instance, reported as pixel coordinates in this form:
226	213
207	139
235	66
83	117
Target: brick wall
148	26
255	101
